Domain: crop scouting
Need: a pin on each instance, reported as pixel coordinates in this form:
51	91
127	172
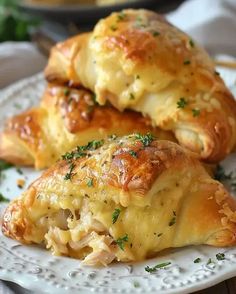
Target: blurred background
29	28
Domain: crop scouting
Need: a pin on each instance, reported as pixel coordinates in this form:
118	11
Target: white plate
36	269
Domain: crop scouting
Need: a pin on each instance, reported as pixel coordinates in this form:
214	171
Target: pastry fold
137	60
124	199
65	118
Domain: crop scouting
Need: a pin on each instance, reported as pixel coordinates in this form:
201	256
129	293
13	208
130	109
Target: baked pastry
136	59
125	199
66	118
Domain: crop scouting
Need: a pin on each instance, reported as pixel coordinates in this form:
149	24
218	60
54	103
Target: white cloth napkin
211	22
19	60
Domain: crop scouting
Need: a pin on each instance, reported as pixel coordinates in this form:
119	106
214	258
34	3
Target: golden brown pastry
66	118
137	60
123	200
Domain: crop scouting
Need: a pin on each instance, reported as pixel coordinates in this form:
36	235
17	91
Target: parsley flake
136	284
156	267
115	215
121	16
90	183
210	261
196	112
20	172
113	28
70	174
155	34
187	62
133	153
120	241
131	96
66	92
191	43
220	256
173	220
182	103
3	199
197	260
146	140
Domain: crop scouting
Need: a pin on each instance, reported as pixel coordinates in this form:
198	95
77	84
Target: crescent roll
66	118
137	60
124	199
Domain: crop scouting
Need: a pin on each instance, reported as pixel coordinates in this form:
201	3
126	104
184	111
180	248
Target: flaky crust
137	60
66	118
164	196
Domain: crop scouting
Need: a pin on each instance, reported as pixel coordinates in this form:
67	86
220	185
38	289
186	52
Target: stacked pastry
127	197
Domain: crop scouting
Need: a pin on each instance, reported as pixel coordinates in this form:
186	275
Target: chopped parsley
191	43
3	199
196	112
20	172
136	284
133	153
70	174
113	28
131	96
197	260
4	165
209	261
112	137
187	62
80	150
182	103
146	140
66	92
220	256
90	183
173	220
120	241
156	267
155	34
121	16
115	215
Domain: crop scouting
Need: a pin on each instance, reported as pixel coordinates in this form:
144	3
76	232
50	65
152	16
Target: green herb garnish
81	150
210	261
136	284
120	241
133	153
196	112
156	267
131	96
121	16
20	172
115	215
70	174
113	28
182	103
191	43
197	260
173	220
220	256
187	62
155	34
90	183
66	92
146	140
3	199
